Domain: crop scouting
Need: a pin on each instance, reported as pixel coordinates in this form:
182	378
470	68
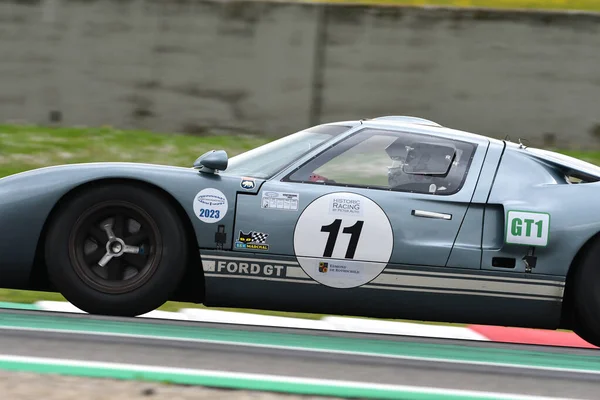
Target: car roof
419	125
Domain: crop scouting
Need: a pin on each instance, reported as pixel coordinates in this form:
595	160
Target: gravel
25	386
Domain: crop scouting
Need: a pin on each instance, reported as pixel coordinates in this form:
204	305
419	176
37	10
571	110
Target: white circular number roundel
210	205
343	240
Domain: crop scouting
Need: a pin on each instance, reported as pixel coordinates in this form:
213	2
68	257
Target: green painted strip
243	381
18	306
312	342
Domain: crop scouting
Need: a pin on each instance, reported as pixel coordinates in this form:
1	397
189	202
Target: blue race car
391	217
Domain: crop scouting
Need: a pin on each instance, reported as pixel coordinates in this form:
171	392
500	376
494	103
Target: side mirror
212	161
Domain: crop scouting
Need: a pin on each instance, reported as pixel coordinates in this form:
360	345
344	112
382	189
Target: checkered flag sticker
259	237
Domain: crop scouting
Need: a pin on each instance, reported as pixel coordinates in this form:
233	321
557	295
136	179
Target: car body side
508	178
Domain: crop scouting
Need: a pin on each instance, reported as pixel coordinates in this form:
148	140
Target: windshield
265	161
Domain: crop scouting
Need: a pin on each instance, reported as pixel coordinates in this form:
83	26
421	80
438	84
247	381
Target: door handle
431	214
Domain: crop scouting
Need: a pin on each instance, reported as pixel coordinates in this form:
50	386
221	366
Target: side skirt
263	281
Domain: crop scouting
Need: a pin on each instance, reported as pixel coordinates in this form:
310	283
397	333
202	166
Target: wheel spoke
109	231
105	259
98	235
115	270
135	260
136	238
131	249
119	225
94	256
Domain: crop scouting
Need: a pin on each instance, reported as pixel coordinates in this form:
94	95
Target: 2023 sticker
210	205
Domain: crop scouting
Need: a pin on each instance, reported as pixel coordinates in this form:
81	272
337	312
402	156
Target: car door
378	198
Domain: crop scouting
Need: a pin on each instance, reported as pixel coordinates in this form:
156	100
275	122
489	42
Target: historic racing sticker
343	240
280	201
210	205
341	205
252	240
527	228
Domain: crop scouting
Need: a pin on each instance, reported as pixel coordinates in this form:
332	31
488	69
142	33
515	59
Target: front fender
27	200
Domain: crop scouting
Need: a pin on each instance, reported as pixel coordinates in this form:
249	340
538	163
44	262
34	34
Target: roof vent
408	119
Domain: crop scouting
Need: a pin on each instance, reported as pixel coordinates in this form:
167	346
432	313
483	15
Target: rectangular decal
280	201
237	267
252	240
338	269
527	228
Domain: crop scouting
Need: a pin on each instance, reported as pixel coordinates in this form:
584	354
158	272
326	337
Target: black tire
129	284
586	296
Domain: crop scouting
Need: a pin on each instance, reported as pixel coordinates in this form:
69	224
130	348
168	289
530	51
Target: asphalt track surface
88	346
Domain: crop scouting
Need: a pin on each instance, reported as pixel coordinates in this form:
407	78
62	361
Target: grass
27	147
581	5
589	156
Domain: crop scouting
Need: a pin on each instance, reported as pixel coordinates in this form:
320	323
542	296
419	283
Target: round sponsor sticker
210	205
343	240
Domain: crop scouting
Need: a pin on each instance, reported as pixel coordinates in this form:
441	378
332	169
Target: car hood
67	176
95	166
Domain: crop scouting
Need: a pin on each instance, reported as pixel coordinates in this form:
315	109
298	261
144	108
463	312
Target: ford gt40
390	217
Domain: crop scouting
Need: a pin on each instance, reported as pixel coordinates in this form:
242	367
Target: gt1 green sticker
527	228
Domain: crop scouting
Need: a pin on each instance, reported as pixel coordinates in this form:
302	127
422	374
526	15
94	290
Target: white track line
328	323
261	377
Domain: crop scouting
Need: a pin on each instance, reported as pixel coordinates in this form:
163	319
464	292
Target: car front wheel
117	249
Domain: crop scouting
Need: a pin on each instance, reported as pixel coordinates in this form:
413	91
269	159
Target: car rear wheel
117	250
586	295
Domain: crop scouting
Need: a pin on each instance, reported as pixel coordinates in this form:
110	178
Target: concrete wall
273	68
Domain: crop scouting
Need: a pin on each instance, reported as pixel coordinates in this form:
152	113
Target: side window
391	160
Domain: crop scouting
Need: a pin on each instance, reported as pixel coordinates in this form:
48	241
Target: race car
389	217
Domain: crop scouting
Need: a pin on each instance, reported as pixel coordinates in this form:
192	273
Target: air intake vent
503	262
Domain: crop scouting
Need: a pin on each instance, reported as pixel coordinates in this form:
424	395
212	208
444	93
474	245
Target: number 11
334	230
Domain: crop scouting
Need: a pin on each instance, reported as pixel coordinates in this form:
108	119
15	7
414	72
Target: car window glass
392	161
267	160
364	164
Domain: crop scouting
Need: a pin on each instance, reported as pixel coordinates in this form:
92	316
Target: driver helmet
401	154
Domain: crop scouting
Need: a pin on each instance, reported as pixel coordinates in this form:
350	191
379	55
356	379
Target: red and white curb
358	325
